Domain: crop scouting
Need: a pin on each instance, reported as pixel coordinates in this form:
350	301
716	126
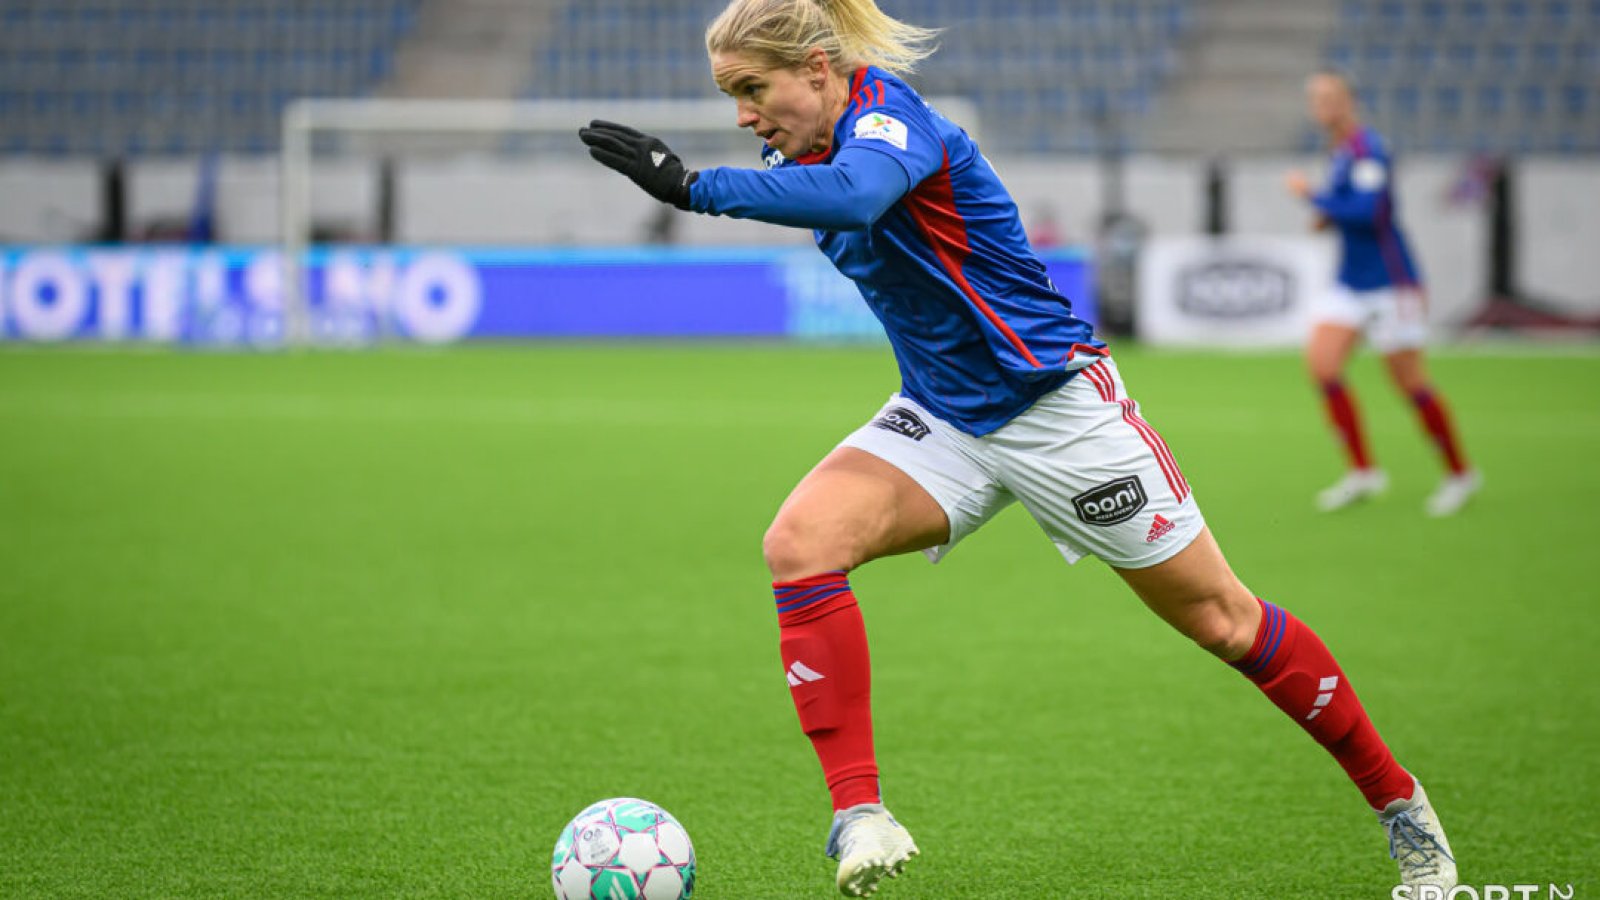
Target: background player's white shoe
869	845
1355	486
1453	493
1417	842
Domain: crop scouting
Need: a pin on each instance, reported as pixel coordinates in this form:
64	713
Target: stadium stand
161	77
1076	75
182	77
1508	76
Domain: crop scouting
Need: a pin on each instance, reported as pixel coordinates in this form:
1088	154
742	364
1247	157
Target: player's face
1330	101
785	107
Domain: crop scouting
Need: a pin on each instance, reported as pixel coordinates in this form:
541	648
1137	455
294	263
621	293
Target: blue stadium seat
1577	100
1471	15
1461	56
1447	102
1533	100
1405	102
1490	100
1505	56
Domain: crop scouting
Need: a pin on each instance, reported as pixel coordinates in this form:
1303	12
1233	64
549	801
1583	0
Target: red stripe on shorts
1152	438
1101	382
1100	375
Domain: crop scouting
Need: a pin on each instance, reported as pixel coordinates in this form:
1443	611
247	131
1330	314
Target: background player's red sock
1342	413
1436	421
1294	669
824	645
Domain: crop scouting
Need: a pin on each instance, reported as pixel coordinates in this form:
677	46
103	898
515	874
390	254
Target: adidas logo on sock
800	672
1326	687
1158	528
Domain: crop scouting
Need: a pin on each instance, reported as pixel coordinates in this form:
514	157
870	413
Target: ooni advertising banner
235	297
1234	291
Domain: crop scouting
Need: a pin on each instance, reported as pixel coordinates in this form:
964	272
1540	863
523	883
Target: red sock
824	646
1342	413
1294	669
1436	421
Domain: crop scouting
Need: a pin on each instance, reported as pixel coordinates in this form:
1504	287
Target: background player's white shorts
1093	474
1393	318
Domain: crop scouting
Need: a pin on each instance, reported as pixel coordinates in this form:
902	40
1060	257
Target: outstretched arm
851	193
1351	207
848	194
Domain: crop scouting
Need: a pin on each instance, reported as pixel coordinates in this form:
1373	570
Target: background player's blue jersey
977	327
1359	200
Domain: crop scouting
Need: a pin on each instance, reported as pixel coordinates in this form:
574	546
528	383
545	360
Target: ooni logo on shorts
1112	502
900	420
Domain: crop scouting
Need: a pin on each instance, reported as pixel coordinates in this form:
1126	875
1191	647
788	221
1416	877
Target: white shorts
1093	474
1392	318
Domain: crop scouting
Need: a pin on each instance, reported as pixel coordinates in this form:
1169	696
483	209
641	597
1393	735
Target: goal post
306	120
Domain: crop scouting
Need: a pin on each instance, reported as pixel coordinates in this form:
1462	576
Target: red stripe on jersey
933	205
1088	349
879	85
1388	244
857	97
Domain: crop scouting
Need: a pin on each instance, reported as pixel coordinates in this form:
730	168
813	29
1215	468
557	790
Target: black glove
642	157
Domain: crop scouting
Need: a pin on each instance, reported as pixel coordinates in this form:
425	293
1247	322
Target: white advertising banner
1230	291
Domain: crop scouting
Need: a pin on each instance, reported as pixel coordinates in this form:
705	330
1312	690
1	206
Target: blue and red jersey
905	205
1359	201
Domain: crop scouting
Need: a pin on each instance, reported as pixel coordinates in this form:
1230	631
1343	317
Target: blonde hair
853	33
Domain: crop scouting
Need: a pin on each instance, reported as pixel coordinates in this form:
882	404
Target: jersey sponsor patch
1111	503
772	157
1368	175
900	420
878	127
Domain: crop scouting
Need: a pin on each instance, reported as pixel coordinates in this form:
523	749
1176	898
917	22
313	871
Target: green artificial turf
377	624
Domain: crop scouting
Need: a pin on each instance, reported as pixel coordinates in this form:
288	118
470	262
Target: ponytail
853	33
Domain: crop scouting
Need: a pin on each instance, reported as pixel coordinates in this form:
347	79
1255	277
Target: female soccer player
1379	293
1005	396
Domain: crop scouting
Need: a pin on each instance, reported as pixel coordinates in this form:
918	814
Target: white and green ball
623	849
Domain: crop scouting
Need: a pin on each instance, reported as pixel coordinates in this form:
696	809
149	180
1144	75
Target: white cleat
1355	486
1453	493
1417	842
869	845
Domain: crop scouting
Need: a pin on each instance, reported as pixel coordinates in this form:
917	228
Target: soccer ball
623	849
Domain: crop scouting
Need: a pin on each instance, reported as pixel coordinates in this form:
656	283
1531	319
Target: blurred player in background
1005	396
1379	294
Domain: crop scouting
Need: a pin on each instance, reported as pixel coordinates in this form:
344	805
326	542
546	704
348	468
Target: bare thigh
1329	349
851	509
1197	593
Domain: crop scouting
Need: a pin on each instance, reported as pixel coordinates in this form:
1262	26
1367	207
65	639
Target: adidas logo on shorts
1158	529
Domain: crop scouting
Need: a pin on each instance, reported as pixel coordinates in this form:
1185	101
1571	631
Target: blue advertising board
233	296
